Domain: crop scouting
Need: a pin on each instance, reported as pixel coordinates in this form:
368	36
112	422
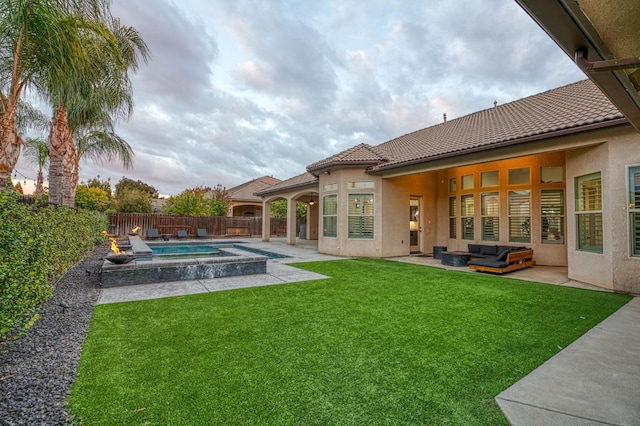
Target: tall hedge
37	245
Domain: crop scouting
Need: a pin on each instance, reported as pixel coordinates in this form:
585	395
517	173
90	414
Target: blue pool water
206	249
183	249
269	254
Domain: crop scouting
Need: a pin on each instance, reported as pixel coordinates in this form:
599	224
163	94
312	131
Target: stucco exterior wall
594	268
396	195
615	268
341	245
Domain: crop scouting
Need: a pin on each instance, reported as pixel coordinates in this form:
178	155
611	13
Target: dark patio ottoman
455	258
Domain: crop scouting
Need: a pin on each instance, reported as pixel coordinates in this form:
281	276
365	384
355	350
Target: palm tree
99	144
36	152
92	99
27	30
34	39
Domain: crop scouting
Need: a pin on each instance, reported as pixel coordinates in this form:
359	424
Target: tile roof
569	107
246	191
362	154
300	181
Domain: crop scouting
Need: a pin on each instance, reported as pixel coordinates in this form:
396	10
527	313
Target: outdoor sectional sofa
499	259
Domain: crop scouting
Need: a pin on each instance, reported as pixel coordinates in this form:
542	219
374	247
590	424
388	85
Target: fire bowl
133	234
120	258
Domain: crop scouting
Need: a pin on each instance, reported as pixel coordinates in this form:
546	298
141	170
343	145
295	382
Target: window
330	215
452	217
360	215
490	211
467	182
634	208
489	179
552	216
552	174
466	204
360	185
589	212
520	216
329	187
453	185
519	176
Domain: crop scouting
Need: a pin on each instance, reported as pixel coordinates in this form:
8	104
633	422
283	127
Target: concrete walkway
594	381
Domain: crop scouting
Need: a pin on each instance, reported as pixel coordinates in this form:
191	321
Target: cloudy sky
240	89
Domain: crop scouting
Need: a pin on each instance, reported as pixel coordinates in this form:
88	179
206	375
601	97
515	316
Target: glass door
414	225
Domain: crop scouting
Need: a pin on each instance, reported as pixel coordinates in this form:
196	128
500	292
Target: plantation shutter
589	212
520	216
634	208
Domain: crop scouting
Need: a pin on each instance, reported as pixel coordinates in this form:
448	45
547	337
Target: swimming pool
166	262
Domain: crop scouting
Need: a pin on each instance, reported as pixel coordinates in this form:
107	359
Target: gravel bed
36	372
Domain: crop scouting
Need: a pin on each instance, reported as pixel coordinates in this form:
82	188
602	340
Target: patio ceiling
602	38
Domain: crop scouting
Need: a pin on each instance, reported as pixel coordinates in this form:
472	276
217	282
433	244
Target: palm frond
105	146
36	152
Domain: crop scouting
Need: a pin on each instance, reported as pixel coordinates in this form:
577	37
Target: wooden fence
122	223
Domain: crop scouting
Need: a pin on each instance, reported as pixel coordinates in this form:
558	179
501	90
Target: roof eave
571	30
510	142
305	185
319	169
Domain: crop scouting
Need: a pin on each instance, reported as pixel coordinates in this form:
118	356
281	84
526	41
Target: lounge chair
505	262
152	234
182	234
201	233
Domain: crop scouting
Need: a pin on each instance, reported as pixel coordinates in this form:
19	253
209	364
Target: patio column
291	221
312	221
266	221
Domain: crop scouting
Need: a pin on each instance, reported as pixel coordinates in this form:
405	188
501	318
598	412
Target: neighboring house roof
245	191
571	108
305	180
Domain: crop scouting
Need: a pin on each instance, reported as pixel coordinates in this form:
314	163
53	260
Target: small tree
199	201
133	196
126	184
97	183
37	153
133	201
220	201
92	198
279	209
190	202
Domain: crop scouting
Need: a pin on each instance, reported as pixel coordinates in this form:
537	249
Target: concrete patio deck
594	381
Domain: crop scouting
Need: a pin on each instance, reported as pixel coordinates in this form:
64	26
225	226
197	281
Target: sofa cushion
474	248
488	262
502	256
503	248
490	250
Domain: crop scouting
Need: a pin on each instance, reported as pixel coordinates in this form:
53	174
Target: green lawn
381	342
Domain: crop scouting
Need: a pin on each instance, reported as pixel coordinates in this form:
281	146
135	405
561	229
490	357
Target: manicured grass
379	343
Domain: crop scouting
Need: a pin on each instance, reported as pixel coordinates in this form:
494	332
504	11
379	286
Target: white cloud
239	89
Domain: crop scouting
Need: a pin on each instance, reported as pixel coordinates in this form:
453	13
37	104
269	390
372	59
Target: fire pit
118	255
120	258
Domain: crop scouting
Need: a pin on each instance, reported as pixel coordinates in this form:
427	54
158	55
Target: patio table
455	258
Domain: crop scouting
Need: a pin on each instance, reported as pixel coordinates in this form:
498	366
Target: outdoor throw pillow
503	255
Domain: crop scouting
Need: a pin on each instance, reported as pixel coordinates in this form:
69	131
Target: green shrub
37	245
